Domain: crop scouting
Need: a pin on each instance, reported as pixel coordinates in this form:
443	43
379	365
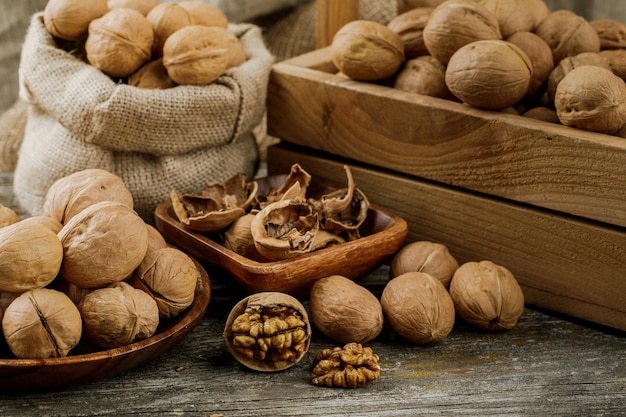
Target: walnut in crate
344	310
567	34
455	23
119	42
423	75
487	296
69	195
170	277
513	15
70	19
612	33
410	27
367	50
567	64
268	331
616	58
418	308
118	315
349	367
540	56
490	74
591	98
42	323
142	6
428	257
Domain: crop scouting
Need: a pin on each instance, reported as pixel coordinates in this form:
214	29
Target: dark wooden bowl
21	375
382	235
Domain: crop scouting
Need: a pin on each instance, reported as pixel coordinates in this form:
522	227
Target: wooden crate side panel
530	161
565	265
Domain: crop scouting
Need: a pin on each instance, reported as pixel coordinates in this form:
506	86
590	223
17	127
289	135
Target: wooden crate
545	200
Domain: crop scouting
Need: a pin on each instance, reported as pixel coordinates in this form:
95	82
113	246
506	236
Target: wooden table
546	365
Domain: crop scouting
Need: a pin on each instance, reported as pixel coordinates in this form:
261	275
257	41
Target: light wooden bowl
382	235
21	375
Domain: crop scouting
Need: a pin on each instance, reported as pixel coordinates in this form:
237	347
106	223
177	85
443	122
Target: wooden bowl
382	234
46	374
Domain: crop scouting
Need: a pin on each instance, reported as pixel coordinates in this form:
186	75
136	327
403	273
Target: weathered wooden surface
521	159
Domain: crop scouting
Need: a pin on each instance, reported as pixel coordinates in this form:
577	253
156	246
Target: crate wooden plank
563	263
521	159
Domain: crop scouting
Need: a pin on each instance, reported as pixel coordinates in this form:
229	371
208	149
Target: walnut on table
347	367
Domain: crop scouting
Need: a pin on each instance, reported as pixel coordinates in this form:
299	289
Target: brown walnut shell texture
274	335
367	50
152	75
70	19
410	27
102	244
487	296
167	18
8	216
203	13
42	323
540	55
567	64
423	256
592	98
612	33
455	23
69	195
512	15
423	75
418	308
344	310
142	6
616	58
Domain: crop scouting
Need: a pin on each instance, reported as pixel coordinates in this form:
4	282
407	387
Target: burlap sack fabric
155	140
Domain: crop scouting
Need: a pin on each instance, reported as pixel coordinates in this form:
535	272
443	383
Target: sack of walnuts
156	140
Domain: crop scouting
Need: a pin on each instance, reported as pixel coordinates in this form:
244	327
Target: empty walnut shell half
347	367
295	185
268	331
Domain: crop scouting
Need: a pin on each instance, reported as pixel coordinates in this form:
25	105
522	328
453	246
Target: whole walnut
410	26
169	276
616	58
119	42
418	308
546	114
203	13
102	244
591	98
428	257
490	74
152	75
423	75
167	18
367	51
8	216
46	221
196	54
612	33
540	55
567	64
455	23
567	34
118	315
344	310
41	323
513	15
69	195
70	19
487	295
142	6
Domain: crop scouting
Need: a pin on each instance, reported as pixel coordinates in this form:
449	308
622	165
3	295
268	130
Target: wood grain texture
331	16
563	263
517	158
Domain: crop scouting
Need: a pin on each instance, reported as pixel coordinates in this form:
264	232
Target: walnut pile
347	367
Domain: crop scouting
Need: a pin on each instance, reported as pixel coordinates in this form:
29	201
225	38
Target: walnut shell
344	310
49	222
8	216
367	50
542	113
69	195
119	42
204	13
428	257
569	63
418	308
169	276
42	323
490	74
455	23
156	240
196	54
118	315
152	75
268	331
612	33
513	15
567	34
591	98
487	295
142	6
540	55
410	27
423	75
102	244
238	238
167	18
70	19
616	58
30	256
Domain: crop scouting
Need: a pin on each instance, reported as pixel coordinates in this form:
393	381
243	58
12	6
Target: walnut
455	23
567	64
347	367
204	13
490	74
294	185
42	323
238	238
167	18
118	315
542	113
428	257
8	216
410	26
487	296
268	331
142	6
344	310
616	58
513	15
156	240
423	75
612	33
418	308
367	50
540	55
567	34
49	222
70	19
151	75
591	98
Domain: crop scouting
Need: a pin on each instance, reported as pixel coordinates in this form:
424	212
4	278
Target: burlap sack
155	140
